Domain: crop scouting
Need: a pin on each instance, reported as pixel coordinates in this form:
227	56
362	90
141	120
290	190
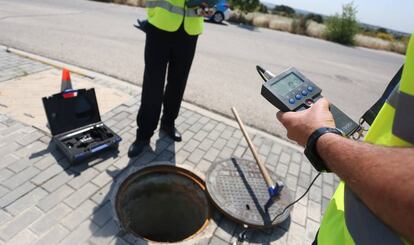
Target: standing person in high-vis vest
374	203
172	31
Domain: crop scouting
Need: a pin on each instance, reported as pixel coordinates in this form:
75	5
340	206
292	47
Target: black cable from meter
297	200
242	234
261	72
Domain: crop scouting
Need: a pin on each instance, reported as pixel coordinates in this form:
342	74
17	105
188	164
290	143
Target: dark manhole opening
163	204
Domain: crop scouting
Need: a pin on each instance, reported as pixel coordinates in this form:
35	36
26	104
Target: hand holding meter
292	91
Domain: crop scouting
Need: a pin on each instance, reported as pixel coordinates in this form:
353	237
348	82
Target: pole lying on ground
273	191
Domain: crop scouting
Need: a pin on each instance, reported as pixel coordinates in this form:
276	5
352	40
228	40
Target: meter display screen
287	84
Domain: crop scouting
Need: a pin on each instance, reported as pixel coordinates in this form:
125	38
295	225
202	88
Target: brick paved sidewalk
44	200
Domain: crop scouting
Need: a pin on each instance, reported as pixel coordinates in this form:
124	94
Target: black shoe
137	148
172	132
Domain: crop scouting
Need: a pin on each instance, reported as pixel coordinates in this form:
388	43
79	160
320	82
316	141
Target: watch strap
311	152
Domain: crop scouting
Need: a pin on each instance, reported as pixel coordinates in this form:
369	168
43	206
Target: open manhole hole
163	204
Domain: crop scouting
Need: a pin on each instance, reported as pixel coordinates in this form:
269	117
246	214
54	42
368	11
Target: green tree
263	8
315	17
342	28
245	5
284	10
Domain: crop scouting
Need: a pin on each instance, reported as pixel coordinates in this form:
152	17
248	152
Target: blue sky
395	14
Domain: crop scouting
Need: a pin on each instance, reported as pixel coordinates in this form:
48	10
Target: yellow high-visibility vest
347	220
168	15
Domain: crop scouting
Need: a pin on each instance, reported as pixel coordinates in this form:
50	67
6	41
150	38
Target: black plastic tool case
76	125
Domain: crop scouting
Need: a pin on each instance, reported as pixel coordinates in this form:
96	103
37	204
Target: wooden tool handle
263	170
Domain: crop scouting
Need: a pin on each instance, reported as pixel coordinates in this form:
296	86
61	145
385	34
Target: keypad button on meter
310	88
292	101
298	96
304	92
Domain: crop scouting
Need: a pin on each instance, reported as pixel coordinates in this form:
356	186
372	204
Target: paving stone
80	180
296	233
312	228
50	219
19	165
46	162
239	151
3	191
298	214
203	165
103	214
315	194
19	223
31	149
134	240
20	178
45	175
23	238
225	230
191	145
79	196
291	181
55	198
211	154
210	126
299	192
5	174
327	191
328	178
213	135
29	138
27	201
314	210
6	160
276	149
220	143
206	144
105	177
4	217
102	195
304	180
200	135
106	234
80	214
9	148
196	156
81	233
55	235
285	158
196	127
217	241
57	181
122	162
16	194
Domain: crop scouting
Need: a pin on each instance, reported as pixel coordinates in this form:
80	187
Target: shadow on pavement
244	26
215	23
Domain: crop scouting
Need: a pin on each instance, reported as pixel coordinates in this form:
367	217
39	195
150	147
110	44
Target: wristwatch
310	150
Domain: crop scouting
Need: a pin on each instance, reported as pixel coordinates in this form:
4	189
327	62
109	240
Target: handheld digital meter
292	91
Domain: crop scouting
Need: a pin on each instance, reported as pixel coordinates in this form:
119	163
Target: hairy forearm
383	177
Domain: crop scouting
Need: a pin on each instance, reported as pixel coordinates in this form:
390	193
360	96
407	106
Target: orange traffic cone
66	82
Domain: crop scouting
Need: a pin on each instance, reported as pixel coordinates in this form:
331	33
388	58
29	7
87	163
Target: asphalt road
101	37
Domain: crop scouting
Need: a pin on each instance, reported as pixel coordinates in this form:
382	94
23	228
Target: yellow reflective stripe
165	5
171	8
407	79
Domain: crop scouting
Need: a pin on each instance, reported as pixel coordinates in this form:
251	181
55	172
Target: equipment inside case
76	125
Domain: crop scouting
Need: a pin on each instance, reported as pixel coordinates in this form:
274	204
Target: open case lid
70	110
237	189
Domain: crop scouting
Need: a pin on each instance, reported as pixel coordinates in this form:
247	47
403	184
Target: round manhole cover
238	189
